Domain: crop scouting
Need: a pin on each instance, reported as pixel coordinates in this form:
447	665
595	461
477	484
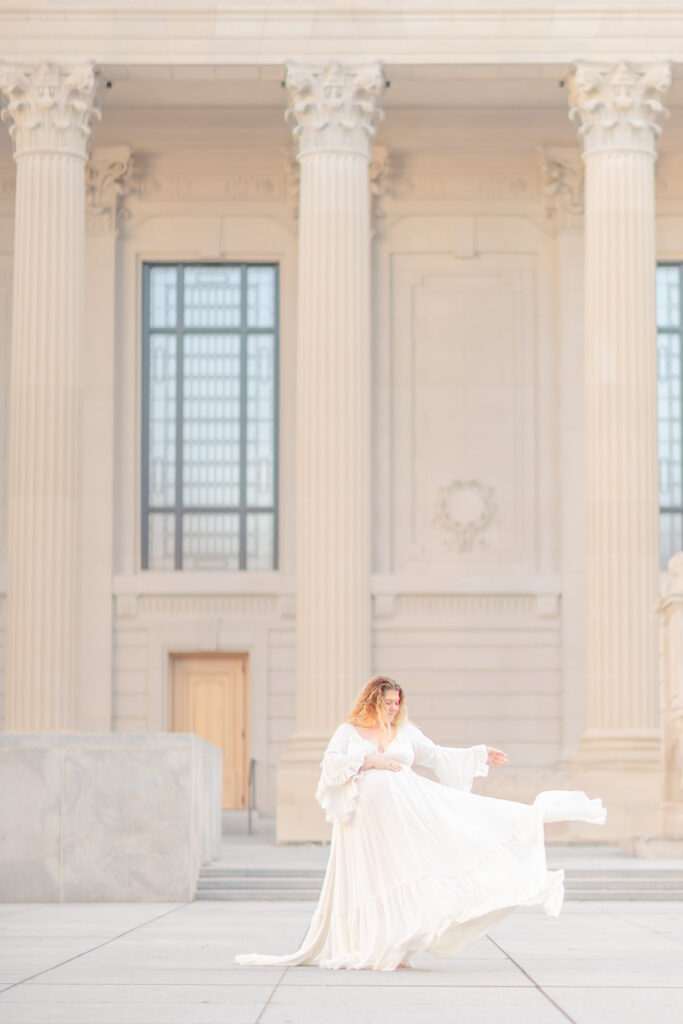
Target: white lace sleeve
457	767
337	791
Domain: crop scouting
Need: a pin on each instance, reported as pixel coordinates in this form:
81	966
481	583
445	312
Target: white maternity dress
418	866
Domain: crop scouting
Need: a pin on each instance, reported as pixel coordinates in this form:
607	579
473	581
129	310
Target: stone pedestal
50	109
618	109
107	818
334	111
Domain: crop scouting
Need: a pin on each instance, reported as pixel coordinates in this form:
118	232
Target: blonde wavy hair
368	708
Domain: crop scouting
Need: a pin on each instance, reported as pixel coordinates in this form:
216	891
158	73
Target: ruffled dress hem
441	915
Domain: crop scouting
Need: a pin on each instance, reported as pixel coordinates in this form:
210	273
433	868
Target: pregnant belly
380	788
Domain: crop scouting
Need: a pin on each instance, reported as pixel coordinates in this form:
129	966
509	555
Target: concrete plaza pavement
599	963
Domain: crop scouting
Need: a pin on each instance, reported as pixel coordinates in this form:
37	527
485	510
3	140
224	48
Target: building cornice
273	33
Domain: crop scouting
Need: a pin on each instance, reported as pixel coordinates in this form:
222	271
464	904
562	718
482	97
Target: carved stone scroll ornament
618	106
292	176
334	108
562	183
380	178
50	108
464	511
106	176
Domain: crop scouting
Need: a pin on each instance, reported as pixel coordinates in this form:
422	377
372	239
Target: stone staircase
276	883
624	884
223	883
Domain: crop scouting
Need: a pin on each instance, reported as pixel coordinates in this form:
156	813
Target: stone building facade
461	208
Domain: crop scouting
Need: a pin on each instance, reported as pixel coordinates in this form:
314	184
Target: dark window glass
670	409
209	433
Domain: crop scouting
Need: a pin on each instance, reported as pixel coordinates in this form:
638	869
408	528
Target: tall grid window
670	408
209	438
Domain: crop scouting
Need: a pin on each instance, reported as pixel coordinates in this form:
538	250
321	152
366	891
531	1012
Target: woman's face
392	703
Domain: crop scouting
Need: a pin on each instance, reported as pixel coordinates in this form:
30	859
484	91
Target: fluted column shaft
51	110
334	111
333	130
618	109
333	439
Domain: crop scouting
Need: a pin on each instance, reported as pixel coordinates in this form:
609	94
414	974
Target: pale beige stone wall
477	286
148	628
463	656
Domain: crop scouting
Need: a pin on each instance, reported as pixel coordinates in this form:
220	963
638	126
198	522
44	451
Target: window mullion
276	423
144	539
243	418
680	362
180	320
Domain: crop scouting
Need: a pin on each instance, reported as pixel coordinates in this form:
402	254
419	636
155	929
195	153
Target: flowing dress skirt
423	868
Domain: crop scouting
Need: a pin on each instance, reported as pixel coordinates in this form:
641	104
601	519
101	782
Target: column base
627	772
673	817
107	818
299	818
622	749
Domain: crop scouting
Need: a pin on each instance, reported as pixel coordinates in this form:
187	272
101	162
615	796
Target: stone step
285	875
250	895
596	895
630	873
625	895
260	883
623	883
225	883
225	872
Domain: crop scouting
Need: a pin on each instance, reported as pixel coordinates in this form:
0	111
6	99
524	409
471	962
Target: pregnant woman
418	866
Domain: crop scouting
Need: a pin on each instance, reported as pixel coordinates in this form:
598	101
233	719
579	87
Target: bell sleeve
337	791
457	767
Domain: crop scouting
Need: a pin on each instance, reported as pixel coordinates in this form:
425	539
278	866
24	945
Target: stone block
107	817
30	840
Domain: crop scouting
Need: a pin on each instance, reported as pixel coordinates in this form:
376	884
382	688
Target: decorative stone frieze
106	177
618	106
334	108
50	108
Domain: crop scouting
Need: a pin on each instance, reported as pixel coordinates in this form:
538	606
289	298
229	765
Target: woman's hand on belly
383	762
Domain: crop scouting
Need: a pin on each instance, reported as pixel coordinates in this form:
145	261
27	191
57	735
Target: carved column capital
106	176
334	108
50	108
618	106
562	185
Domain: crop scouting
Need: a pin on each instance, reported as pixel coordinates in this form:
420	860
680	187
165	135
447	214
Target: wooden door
209	698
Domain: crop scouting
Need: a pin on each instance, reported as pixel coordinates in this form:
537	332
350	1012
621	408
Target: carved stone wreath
464	511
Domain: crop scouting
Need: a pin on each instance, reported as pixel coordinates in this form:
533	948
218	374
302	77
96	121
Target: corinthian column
334	112
618	110
50	110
